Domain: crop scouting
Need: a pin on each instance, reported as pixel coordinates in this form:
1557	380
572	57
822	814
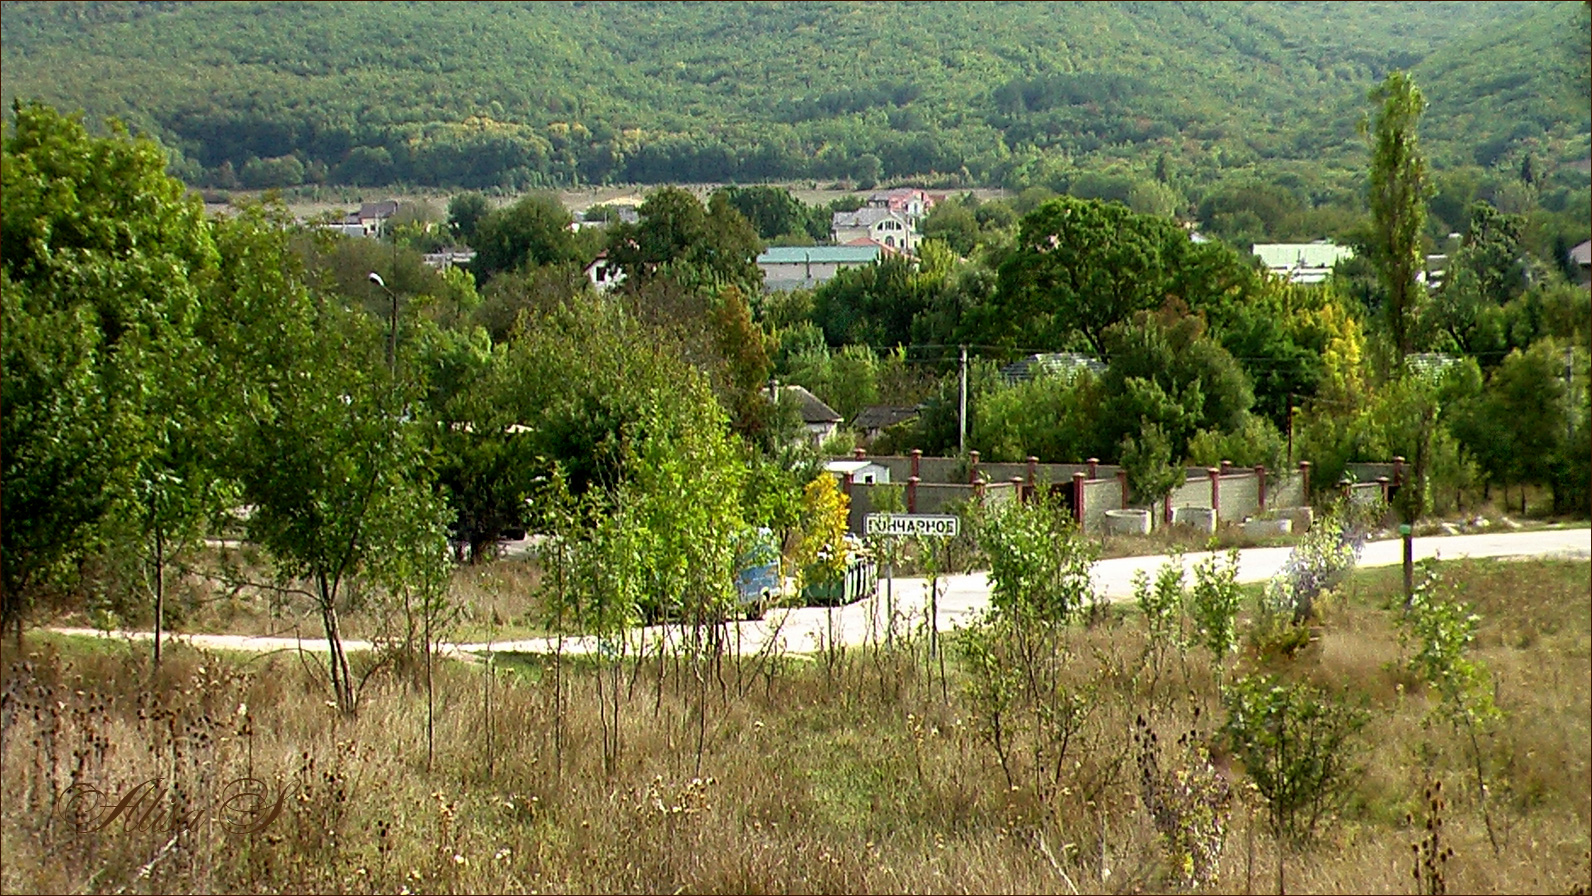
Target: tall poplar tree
1398	188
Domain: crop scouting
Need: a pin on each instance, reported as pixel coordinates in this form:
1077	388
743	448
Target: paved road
804	630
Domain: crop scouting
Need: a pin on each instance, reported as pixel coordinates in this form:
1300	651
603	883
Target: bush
1297	744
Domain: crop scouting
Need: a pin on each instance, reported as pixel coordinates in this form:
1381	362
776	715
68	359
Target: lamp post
392	326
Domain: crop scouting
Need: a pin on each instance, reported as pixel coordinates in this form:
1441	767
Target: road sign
932	525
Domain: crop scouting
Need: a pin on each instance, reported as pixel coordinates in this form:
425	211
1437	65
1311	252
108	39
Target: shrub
1297	744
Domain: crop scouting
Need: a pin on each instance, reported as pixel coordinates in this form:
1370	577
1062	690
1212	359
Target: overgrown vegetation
875	781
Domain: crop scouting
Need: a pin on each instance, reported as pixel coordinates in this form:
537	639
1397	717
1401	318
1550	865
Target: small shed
861	471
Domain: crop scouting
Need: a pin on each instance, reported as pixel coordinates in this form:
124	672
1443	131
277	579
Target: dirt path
808	630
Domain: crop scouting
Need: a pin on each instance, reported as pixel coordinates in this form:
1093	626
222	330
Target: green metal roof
819	255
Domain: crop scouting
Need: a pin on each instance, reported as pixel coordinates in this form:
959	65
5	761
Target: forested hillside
520	95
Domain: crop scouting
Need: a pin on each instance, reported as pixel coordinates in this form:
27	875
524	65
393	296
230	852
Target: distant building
603	273
881	225
450	258
873	420
908	202
804	267
820	420
624	213
1064	363
864	472
1301	262
1430	364
369	221
1581	263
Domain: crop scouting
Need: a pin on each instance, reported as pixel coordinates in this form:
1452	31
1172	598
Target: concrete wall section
1286	491
1099	495
1194	492
1240	497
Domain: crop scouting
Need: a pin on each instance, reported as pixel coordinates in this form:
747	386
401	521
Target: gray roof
879	416
1582	254
383	209
1431	363
863	217
1067	363
813	410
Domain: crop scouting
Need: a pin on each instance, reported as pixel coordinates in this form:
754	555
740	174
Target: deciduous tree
1397	193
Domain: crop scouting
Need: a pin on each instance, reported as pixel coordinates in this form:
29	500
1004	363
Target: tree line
164	369
530	99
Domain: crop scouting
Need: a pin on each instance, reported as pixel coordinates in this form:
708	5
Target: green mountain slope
542	93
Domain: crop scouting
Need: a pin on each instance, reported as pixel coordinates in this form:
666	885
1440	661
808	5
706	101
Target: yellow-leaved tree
821	550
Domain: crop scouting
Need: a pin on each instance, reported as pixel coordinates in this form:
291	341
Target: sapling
1439	633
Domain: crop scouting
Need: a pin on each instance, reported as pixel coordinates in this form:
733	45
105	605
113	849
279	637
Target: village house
805	267
1301	262
881	225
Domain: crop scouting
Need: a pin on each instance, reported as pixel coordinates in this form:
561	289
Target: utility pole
1569	392
961	436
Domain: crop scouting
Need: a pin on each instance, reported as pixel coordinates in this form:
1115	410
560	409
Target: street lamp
392	327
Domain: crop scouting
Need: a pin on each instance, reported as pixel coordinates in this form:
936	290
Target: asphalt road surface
807	630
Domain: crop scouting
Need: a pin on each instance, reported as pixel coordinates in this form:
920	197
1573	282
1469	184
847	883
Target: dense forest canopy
524	95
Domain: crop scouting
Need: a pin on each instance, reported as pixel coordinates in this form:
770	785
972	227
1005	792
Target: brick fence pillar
859	453
917	455
1304	473
1093	463
1033	470
972	469
1077	498
1215	475
1122	480
1386	484
912	494
1398	471
1260	477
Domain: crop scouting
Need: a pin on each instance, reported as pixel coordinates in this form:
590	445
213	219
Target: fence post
1033	470
972	470
1122	480
1386	484
1077	498
1227	467
978	489
1215	474
1166	509
1093	463
912	494
859	453
1398	472
1347	485
846	486
1017	487
917	455
1260	476
1304	472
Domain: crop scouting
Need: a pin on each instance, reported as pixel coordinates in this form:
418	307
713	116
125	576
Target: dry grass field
868	771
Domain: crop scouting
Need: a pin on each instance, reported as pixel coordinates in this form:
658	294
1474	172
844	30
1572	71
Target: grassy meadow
871	770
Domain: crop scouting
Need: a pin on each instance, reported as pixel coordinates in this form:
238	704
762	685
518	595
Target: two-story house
908	202
887	228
